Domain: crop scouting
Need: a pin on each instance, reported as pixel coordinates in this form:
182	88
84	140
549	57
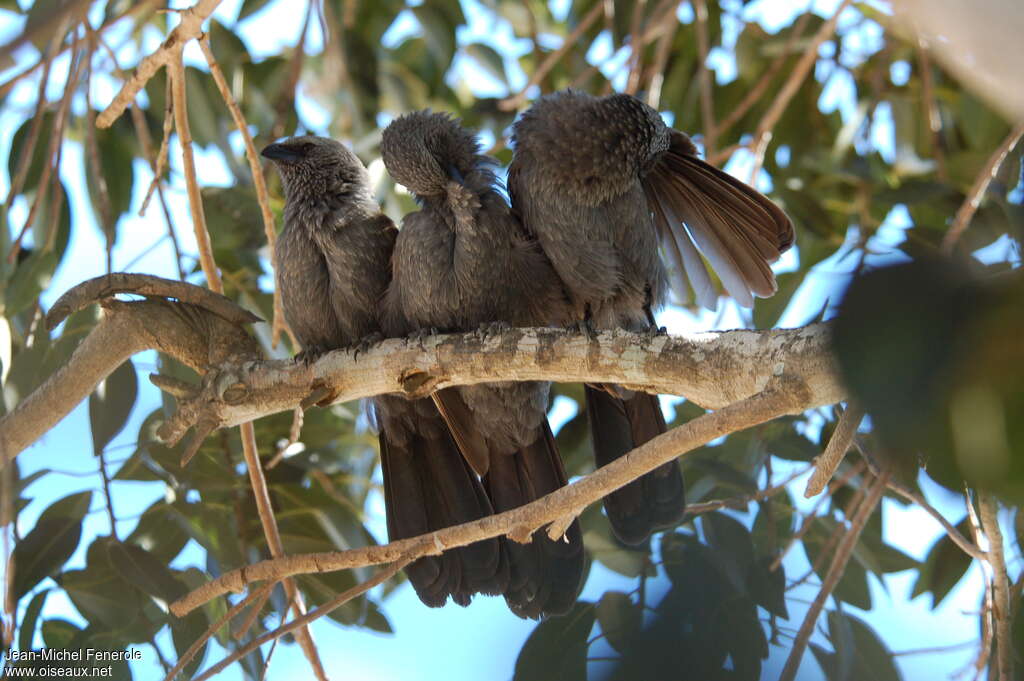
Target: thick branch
784	397
712	369
191	334
94	290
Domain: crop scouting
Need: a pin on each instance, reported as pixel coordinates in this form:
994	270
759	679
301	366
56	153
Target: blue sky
459	643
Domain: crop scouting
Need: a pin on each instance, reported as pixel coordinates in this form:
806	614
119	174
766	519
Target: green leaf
732	542
604	548
186	631
869	658
145	571
768	587
58	633
943	567
159	532
620	618
110	405
51	542
38	152
489	60
557	648
27	627
853	585
251	7
111	604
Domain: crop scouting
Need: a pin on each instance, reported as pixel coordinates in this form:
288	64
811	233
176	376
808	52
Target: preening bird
463	263
333	265
602	182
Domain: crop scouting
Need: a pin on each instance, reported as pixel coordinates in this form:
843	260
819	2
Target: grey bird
333	265
601	183
463	263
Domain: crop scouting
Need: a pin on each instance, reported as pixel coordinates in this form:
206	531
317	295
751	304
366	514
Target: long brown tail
546	574
653	501
427	487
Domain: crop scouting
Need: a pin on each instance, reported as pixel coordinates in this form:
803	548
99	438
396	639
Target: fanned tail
738	229
546	574
617	426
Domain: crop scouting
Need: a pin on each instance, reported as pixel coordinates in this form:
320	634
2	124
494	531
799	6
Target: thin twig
262	496
176	72
813	512
53	150
28	148
657	70
298	416
286	100
954	534
988	509
636	48
189	26
931	106
985	649
571	499
258	180
796	78
754	94
742	502
382	575
256	597
92	149
835	572
514	102
707	103
973	200
159	165
842	437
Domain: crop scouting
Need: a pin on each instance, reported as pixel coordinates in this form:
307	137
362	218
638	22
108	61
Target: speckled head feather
596	148
424	151
313	167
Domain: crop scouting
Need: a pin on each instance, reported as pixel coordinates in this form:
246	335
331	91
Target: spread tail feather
546	574
739	230
617	426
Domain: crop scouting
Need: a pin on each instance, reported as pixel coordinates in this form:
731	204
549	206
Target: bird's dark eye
306	147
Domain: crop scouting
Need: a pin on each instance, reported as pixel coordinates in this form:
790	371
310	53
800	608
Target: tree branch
988	509
825	465
190	27
712	370
201	330
835	572
785	396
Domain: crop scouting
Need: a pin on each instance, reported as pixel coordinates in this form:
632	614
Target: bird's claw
584	327
488	329
653	331
366	342
419	336
310	354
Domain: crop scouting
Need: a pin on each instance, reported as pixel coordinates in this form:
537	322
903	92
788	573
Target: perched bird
462	263
333	266
601	182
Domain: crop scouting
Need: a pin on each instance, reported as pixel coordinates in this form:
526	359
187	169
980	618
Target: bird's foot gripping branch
204	331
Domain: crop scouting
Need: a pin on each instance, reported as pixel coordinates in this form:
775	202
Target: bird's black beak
282	152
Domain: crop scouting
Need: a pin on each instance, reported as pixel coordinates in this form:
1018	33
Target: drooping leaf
557	648
50	543
620	618
111	403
